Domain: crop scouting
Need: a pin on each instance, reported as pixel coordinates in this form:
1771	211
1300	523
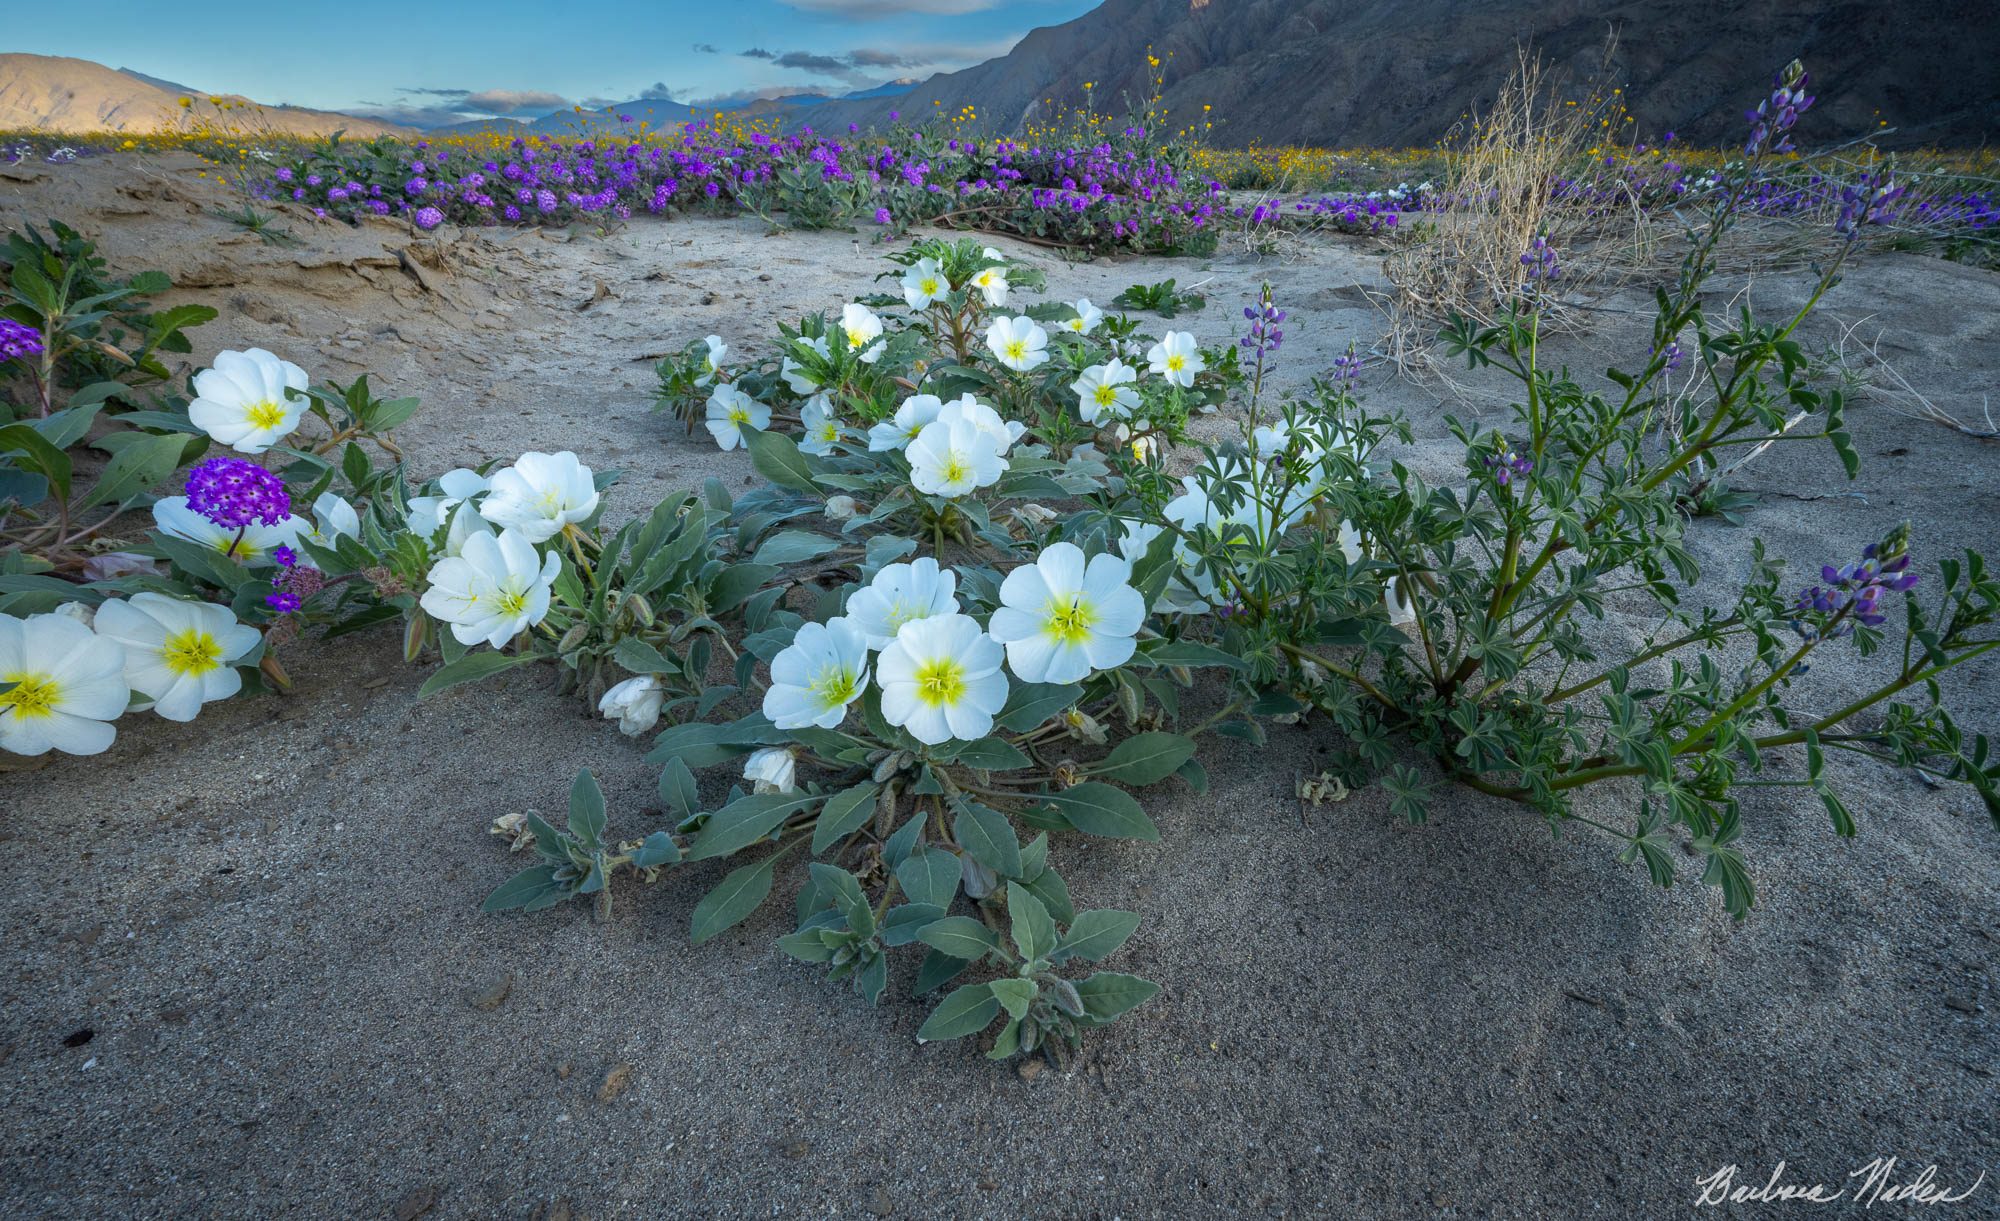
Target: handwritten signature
1875	1182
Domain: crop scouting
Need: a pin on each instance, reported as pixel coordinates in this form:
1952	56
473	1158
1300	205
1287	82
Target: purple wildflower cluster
1264	336
1673	353
233	493
1507	466
18	341
1347	367
1352	213
1871	200
1772	121
1854	592
1540	260
295	583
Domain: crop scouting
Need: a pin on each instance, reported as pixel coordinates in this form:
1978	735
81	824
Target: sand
244	973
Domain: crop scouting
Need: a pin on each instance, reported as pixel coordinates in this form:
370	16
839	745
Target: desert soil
244	973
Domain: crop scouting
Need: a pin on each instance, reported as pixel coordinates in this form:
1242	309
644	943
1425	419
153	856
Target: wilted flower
114	564
1018	343
941	679
540	494
1177	358
730	411
634	703
899	594
815	678
1106	391
495	590
1060	617
249	400
841	508
178	654
69	684
771	769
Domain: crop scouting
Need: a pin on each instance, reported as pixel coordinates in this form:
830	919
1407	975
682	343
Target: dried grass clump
1504	186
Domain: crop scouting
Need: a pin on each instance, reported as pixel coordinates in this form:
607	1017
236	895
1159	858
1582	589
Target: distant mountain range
663	112
75	96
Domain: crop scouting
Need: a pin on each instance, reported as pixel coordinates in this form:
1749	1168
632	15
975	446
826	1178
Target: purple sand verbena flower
429	218
233	493
18	341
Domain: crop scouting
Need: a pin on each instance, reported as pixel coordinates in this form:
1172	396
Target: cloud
870	57
706	48
656	92
758	53
825	65
871	10
438	93
724	101
412	116
513	101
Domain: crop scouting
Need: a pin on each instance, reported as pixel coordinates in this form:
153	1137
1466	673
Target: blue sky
427	60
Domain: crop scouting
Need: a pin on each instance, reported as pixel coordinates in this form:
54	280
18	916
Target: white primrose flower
1062	618
540	494
252	549
711	360
465	522
924	284
992	283
795	374
1176	358
497	588
1018	343
69	685
333	518
634	704
822	427
941	679
817	675
730	411
899	594
427	513
1002	433
1106	391
249	400
771	769
863	330
902	428
1087	319
952	458
179	655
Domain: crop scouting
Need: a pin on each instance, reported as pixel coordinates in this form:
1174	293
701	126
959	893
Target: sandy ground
244	974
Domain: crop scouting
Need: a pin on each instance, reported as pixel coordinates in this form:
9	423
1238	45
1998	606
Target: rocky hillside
50	93
1401	72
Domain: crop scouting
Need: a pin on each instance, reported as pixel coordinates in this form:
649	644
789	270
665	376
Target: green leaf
677	788
471	668
1030	704
658	849
734	899
902	924
1108	994
844	813
34	451
744	822
1096	935
929	875
524	888
960	937
988	837
937	969
137	466
640	657
1015	995
968	1010
1146	758
992	755
586	809
1033	931
1193	654
777	458
793	547
1099	809
846	894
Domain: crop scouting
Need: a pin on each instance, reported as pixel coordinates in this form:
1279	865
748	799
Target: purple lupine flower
1868	201
1853	592
233	493
429	218
1540	260
1673	354
1775	115
18	341
1264	336
1347	367
1507	466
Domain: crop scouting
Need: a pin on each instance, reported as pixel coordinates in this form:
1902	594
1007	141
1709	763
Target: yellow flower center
33	695
856	338
955	469
833	686
929	287
1176	363
1017	349
941	681
1068	621
266	414
241	549
191	652
738	416
512	603
1107	395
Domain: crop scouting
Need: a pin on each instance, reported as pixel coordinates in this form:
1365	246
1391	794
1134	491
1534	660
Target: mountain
49	93
1399	73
